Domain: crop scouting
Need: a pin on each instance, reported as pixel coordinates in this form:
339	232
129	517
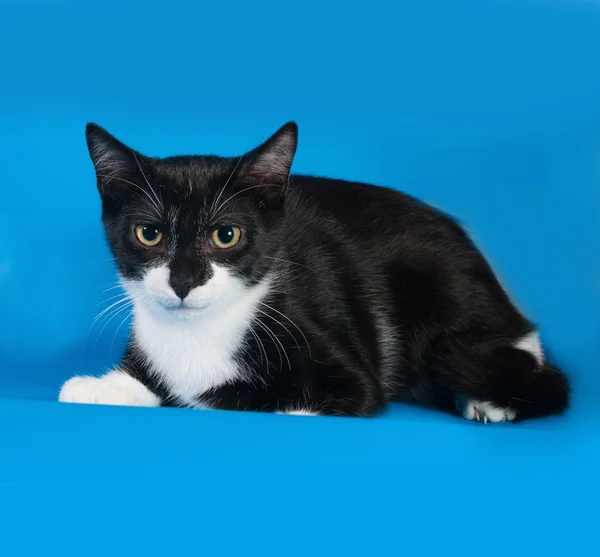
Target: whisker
128	316
143	216
145	178
228	200
228	216
279	323
124	298
101	316
111	298
261	347
120	310
288	261
294	324
115	282
218	198
256	337
274	337
113	287
139	299
152	202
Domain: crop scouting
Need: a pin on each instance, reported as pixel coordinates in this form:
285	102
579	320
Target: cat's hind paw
486	412
116	388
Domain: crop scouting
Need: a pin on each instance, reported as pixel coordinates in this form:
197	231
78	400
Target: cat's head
192	233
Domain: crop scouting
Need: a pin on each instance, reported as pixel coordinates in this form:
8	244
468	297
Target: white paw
299	412
116	388
486	412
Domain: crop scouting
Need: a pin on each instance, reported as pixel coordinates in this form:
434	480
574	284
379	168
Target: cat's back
367	212
355	241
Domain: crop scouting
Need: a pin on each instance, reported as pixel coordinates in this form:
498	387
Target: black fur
379	297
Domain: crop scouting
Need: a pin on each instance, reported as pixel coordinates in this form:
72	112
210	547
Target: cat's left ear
271	162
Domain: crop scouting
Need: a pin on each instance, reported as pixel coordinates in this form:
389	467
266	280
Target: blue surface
489	110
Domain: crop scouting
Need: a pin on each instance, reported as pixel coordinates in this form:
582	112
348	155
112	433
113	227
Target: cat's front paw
297	412
116	388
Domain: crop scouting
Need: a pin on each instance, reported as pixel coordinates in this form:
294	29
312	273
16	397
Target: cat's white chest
190	358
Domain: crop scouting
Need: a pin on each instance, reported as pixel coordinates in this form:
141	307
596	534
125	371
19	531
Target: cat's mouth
183	308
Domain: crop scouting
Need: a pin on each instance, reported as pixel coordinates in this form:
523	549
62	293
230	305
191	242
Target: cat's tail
545	392
505	381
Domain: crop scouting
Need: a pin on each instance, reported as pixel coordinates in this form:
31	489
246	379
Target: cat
256	289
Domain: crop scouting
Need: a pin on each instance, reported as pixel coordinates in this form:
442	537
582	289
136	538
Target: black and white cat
254	289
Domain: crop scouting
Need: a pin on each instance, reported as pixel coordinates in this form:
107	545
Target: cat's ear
112	159
271	162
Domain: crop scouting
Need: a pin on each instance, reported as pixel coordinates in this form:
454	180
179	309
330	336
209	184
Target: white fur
190	346
486	412
116	388
531	343
299	412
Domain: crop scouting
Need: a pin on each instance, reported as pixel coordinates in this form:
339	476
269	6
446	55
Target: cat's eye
225	237
148	235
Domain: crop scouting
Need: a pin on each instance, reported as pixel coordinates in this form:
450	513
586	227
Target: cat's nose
182	287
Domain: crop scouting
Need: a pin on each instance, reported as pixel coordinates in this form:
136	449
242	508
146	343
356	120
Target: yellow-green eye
226	237
148	235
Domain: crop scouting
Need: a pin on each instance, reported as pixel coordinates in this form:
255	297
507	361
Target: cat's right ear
112	159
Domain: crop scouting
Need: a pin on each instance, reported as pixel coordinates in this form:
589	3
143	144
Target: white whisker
274	337
288	261
118	311
156	207
218	198
123	298
231	217
106	313
158	201
228	200
140	300
113	287
128	316
261	348
111	298
279	323
294	324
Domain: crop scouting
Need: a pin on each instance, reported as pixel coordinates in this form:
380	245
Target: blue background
489	110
